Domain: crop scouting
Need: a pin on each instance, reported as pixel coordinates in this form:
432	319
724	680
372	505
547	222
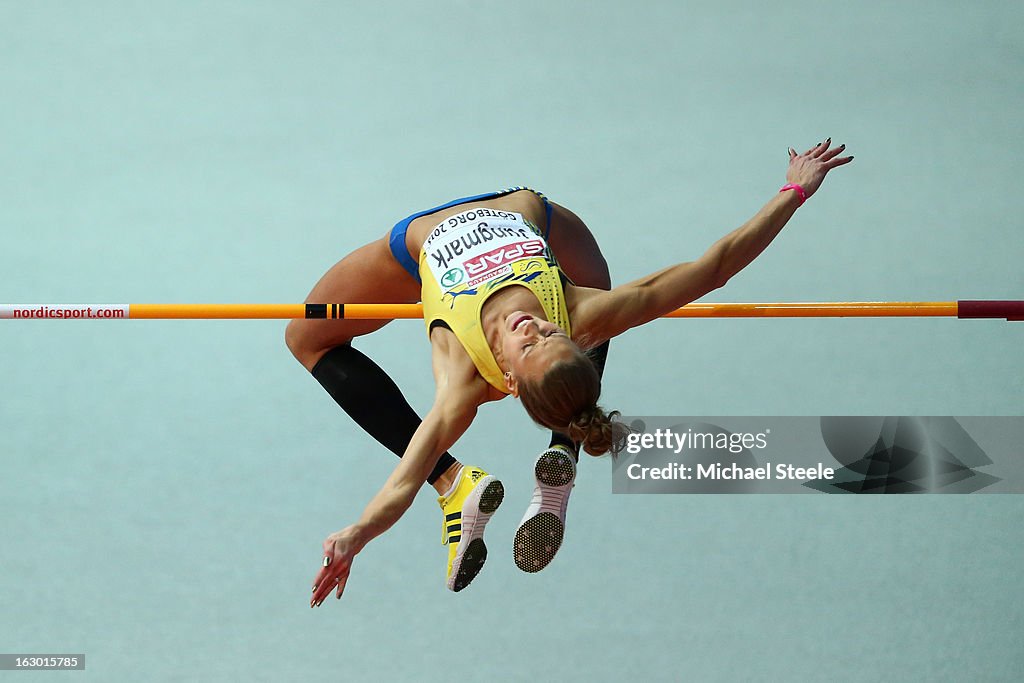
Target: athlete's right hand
809	169
339	549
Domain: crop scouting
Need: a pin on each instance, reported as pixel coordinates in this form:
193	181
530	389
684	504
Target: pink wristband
796	188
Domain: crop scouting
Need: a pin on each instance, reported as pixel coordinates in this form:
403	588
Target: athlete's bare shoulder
454	371
585	314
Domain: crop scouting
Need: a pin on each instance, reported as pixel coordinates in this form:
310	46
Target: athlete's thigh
369	274
576	250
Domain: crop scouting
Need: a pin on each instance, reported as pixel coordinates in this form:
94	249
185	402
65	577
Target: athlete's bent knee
297	339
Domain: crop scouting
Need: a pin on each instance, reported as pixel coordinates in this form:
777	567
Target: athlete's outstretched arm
453	411
607	314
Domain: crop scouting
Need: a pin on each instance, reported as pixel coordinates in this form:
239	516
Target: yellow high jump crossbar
1009	310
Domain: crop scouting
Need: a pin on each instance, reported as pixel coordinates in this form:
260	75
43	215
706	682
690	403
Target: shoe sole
476	552
539	538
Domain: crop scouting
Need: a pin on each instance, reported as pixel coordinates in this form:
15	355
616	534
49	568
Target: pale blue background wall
167	484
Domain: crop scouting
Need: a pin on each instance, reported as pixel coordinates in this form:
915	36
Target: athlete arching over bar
516	301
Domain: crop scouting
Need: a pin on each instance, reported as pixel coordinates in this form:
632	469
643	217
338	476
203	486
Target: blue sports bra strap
547	209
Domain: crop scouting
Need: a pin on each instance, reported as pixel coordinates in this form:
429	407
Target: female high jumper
516	301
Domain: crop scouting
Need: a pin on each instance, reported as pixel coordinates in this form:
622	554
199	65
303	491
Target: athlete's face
530	345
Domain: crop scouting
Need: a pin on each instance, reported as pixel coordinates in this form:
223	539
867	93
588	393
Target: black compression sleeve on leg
598	355
373	400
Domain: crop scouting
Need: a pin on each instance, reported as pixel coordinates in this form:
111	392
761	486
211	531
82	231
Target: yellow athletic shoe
467	509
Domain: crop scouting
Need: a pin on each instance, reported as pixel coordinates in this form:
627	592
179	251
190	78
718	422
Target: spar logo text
496	258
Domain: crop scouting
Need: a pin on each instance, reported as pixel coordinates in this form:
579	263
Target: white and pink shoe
540	533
